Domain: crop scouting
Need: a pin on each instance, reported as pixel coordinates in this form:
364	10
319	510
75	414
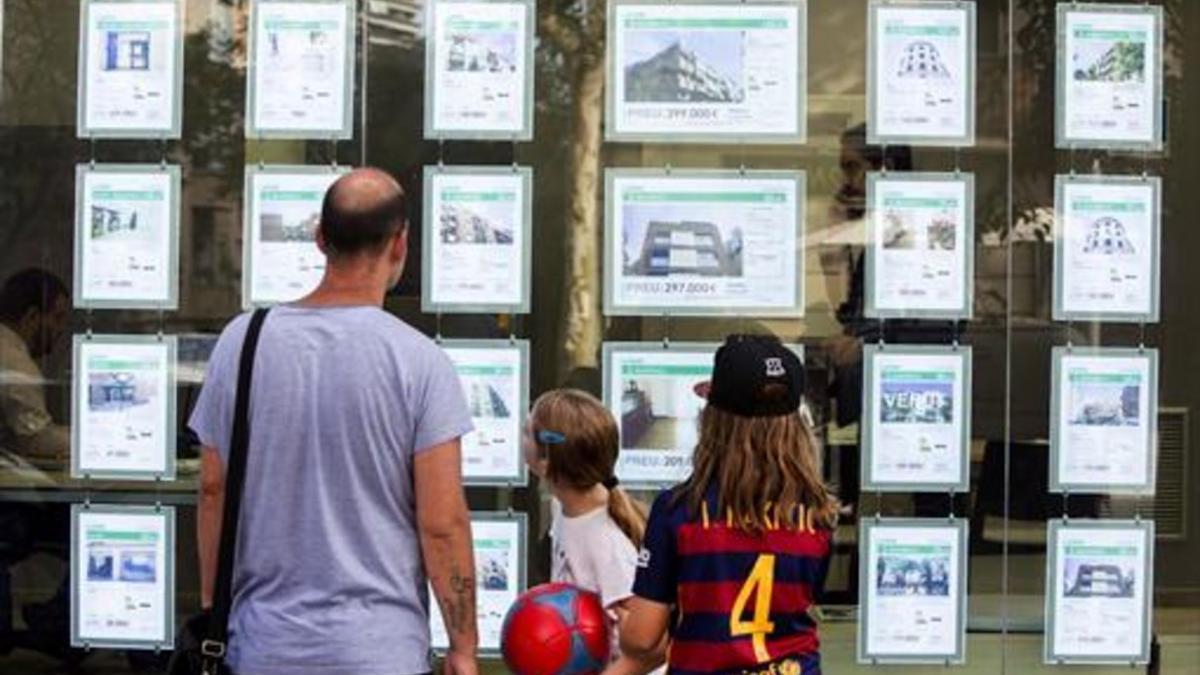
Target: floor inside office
1180	656
1176	628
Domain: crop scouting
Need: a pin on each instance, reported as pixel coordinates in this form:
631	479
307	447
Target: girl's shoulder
590	528
595	542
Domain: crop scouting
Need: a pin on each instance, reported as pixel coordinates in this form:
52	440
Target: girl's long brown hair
588	454
766	472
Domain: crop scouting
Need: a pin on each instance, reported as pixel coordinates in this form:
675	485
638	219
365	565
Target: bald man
353	485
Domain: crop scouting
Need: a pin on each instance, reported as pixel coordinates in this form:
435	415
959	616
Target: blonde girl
572	443
740	550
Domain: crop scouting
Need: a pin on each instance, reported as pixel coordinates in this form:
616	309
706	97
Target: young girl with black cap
571	443
739	552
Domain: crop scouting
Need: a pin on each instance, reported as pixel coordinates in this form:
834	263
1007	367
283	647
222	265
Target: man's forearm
208	536
450	563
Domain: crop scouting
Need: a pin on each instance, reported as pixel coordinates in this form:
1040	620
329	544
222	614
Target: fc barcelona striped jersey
742	600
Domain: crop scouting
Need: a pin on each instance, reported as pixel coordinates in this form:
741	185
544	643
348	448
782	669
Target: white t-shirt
591	552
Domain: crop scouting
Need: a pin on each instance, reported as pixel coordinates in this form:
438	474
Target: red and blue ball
556	629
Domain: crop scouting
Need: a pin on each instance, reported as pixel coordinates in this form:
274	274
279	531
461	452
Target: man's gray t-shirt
329	577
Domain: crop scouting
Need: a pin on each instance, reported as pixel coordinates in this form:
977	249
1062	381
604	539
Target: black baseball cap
755	376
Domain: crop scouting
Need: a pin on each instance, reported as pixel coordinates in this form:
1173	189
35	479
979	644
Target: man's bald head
361	212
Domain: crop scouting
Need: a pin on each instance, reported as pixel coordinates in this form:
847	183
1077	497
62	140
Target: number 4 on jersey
760	583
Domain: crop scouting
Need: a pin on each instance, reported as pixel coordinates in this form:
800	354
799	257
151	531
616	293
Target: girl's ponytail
628	513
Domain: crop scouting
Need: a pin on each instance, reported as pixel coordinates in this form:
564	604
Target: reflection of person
571	443
753	510
353	488
34	309
857	160
849	206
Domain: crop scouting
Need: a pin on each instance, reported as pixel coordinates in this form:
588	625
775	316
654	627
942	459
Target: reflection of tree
575	33
37	144
213	104
40	42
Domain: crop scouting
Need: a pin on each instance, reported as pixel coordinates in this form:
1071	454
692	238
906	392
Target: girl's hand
643	630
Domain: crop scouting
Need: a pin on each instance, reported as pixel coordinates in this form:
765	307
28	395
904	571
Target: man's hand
458	663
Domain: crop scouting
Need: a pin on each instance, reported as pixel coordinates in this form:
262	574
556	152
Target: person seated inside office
34	311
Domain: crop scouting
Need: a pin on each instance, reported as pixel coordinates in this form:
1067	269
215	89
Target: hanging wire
364	64
1010	177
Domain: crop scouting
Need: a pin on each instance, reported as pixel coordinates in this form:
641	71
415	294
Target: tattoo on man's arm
459	606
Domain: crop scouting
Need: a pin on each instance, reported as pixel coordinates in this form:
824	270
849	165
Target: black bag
201	644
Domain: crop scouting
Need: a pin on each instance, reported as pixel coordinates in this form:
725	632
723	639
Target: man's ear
322	245
400	245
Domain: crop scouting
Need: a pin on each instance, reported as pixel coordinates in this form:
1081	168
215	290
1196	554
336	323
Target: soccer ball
555	629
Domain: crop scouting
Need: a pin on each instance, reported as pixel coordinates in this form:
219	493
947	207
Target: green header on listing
122	536
1088	33
635	195
468	24
115	24
923	31
731	23
484	370
901	374
920	203
293	24
292	195
914	549
1088	377
117	363
1088	204
1087	549
631	369
453	195
128	195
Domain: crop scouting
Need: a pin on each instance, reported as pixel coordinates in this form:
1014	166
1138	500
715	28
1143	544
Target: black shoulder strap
235	478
